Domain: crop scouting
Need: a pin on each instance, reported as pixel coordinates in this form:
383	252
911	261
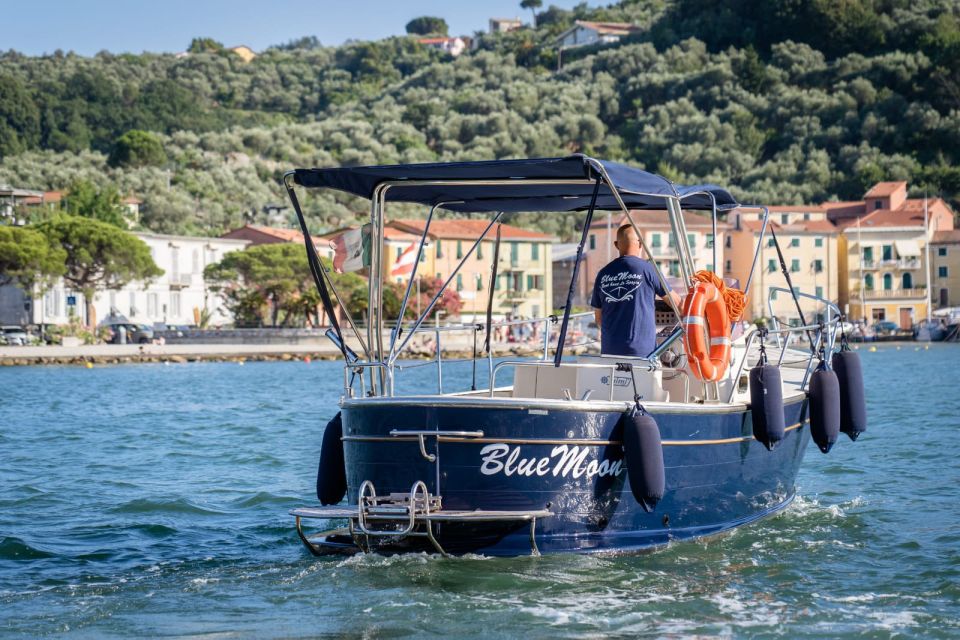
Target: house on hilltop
584	32
454	46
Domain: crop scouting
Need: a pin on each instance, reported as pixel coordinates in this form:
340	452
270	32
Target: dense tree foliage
27	258
427	25
99	203
137	149
785	101
99	256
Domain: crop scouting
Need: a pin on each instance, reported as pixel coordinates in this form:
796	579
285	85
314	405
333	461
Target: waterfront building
174	298
599	249
524	285
809	244
882	250
258	234
945	268
564	260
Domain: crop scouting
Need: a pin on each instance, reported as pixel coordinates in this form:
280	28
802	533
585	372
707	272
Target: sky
35	27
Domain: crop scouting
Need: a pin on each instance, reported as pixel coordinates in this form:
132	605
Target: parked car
11	335
886	327
136	333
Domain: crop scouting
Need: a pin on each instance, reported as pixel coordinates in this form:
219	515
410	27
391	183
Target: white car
16	336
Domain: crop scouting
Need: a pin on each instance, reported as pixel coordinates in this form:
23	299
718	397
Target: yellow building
882	245
945	268
809	244
525	274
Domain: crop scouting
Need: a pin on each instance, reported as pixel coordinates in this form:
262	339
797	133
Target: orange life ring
705	305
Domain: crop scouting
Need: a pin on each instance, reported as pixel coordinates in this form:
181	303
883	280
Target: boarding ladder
379	521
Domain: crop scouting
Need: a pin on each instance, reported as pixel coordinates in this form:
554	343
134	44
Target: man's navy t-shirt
624	292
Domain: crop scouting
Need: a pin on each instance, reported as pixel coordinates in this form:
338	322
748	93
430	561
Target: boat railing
354	368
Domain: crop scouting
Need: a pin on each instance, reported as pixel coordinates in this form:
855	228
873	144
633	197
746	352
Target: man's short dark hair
622	231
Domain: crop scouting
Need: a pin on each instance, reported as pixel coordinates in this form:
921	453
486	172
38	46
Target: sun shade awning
908	248
639	189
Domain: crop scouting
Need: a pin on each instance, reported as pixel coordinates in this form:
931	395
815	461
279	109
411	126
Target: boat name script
563	461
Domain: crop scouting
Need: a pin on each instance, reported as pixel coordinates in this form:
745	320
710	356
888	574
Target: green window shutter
819	292
459	249
439	248
514	251
773	295
795	242
459	282
770	242
818	242
535	251
794	265
655	240
692	240
709	240
771	265
496	283
529	282
593	242
479	283
480	251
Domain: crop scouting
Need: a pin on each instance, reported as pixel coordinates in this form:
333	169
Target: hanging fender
853	404
643	453
332	472
705	306
766	405
824	408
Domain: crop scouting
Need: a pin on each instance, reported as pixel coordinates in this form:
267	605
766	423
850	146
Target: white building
583	33
454	46
171	298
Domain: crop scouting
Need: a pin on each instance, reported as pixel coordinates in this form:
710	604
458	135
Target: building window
692	240
729	266
773	295
534	251
770	241
784	218
906	282
133	303
818	291
709	240
459	249
530	282
942	272
887	252
818	266
771	266
795	242
941	251
593	242
728	241
196	260
795	265
399	252
878	204
818	242
151	305
480	251
175	304
887	282
868	255
655	240
113	302
515	252
479	282
459	282
51	303
496	283
439	248
806	216
868	282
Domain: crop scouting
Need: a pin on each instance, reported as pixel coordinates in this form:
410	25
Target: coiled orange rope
735	299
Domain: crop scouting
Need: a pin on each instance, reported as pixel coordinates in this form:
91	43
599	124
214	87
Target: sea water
151	500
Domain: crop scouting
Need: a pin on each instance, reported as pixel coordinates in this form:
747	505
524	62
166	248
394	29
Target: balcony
889	294
899	263
515	295
180	280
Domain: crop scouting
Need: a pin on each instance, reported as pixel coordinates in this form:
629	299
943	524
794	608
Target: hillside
784	103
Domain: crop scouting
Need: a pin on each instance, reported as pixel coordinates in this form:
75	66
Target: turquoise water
151	500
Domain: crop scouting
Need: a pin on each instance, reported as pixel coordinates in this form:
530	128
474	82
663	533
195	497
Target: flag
351	250
405	261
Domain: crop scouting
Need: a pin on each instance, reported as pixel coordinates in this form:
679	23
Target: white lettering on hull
563	461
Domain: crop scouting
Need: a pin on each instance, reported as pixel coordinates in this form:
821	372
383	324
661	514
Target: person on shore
624	299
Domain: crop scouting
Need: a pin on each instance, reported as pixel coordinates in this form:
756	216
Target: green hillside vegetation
784	101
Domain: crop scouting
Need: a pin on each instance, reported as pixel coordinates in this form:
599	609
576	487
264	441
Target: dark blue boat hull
571	462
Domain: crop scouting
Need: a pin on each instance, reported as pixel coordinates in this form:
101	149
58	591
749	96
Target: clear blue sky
88	26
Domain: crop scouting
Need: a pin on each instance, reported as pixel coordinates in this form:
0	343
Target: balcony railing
899	263
886	294
515	294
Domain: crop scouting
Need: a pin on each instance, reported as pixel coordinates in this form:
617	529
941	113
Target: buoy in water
332	472
853	404
306	359
824	408
872	349
766	405
89	365
643	453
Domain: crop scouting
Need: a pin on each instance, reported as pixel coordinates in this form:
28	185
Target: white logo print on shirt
620	287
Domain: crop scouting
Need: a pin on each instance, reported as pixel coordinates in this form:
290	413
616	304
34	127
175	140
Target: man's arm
674	298
596	316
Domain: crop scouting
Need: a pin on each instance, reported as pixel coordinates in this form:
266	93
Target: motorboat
592	453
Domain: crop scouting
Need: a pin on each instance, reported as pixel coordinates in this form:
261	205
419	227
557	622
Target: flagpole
863	306
926	233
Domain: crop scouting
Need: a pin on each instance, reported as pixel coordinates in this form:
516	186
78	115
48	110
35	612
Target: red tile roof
887	218
803	226
467	229
884	189
611	28
800	208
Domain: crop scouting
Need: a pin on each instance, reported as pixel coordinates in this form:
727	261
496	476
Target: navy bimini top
625	293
